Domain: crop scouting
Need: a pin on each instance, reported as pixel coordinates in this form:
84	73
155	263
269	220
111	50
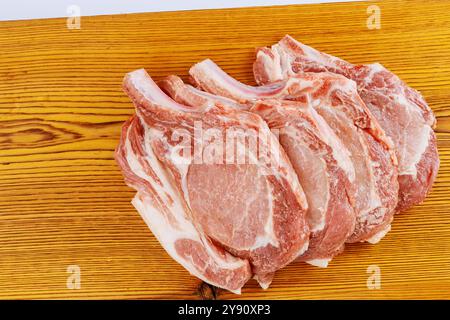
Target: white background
33	9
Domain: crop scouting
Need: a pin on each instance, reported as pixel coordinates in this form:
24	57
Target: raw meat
190	96
245	213
320	160
324	169
163	209
401	111
336	99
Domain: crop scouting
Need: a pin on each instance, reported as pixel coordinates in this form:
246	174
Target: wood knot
207	291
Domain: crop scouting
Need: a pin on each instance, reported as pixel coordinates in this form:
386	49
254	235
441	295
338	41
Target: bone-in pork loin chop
324	169
335	99
163	209
401	111
321	162
237	213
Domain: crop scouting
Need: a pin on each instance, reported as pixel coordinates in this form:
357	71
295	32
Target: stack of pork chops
238	181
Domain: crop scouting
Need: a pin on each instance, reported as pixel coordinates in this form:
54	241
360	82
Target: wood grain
62	198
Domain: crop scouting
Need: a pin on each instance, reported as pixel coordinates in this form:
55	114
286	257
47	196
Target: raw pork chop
401	111
336	99
252	209
321	162
163	209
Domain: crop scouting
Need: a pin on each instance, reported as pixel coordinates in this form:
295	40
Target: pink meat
336	99
320	160
207	215
401	111
324	169
163	209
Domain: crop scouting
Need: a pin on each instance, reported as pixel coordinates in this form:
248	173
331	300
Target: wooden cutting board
64	206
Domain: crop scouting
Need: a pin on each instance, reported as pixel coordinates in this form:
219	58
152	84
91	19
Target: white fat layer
284	61
340	153
285	169
293	133
313	54
181	163
380	235
263	241
139	171
420	139
272	67
321	263
263	284
374	68
167	233
303	249
374	197
269	230
420	146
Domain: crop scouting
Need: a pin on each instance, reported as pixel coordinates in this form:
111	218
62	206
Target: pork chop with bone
336	100
401	111
223	221
321	162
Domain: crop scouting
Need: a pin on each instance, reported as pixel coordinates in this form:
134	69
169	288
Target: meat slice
324	169
164	211
266	224
321	162
330	215
401	111
336	99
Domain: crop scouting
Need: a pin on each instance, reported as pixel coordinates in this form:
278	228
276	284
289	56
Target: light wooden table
62	198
